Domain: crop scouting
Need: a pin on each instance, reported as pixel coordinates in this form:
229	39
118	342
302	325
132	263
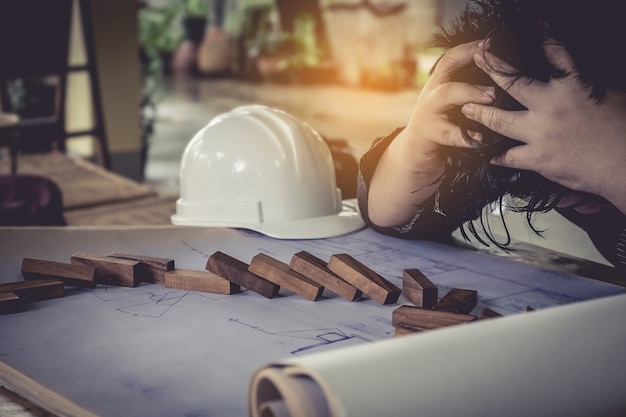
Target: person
526	106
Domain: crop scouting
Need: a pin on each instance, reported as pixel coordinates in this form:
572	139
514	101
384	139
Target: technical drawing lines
319	339
152	303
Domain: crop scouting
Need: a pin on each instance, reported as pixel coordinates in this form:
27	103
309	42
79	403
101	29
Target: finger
450	95
507	123
452	136
455	58
512	158
520	88
559	57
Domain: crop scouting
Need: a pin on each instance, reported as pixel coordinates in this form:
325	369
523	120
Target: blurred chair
34	50
34	67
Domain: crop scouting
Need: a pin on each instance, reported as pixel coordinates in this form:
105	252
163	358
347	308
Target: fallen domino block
418	288
363	278
415	319
281	274
237	271
317	270
111	271
488	313
204	281
9	303
153	269
73	275
458	300
36	290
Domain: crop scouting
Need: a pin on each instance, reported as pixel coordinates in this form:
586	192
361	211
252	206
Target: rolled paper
560	361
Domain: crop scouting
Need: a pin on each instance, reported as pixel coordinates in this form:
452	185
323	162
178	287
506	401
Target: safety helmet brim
348	220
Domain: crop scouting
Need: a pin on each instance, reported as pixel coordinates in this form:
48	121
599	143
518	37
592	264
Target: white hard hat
260	168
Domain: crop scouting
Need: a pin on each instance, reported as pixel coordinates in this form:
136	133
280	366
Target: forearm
421	224
398	191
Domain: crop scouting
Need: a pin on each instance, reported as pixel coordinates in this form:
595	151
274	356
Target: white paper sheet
156	351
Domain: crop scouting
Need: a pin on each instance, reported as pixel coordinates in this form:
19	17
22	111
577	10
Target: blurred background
132	73
349	68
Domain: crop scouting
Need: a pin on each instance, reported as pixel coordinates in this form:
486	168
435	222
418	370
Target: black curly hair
517	30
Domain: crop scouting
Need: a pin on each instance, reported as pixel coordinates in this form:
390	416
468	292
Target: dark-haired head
517	31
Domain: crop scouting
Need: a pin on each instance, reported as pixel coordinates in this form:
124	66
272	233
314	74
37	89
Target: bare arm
408	171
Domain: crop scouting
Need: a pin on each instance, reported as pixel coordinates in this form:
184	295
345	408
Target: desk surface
118	201
161	351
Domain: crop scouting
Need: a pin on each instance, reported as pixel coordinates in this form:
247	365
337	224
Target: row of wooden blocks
306	275
47	279
427	312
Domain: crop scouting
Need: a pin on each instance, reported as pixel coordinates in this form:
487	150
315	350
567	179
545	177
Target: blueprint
155	351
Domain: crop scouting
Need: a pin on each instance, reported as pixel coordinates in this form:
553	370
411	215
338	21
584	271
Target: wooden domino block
488	313
36	290
418	288
9	303
458	300
111	271
317	270
281	274
363	278
204	281
71	274
418	319
153	269
404	330
237	271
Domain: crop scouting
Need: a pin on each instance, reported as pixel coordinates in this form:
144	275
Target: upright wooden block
418	288
317	270
458	300
111	271
9	303
363	278
36	290
152	268
71	275
281	274
237	271
204	281
420	319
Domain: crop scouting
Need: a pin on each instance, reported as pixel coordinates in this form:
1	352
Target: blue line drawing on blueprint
154	302
320	339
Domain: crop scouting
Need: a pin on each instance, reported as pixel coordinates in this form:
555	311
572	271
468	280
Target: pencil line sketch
319	339
194	249
153	303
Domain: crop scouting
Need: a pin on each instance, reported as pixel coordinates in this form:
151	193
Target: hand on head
429	129
569	137
408	173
